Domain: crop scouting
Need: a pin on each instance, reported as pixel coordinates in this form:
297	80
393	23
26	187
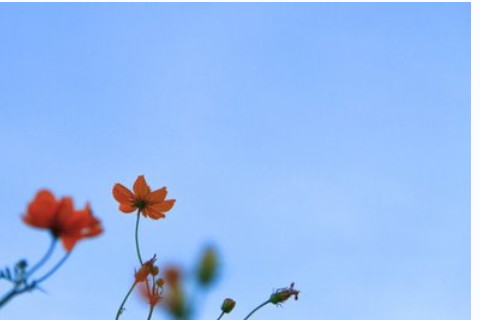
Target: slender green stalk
254	310
12	293
221	315
150	312
136	238
120	310
44	259
54	269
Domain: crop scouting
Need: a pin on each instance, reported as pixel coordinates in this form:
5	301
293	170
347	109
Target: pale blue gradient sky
322	143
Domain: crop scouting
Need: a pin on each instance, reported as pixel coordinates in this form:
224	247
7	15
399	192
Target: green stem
221	315
16	291
8	296
44	259
254	310
55	268
136	238
150	312
120	310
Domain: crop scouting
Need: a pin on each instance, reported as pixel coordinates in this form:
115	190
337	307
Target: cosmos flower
60	217
150	203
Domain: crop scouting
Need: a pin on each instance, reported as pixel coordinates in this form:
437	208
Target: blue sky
322	143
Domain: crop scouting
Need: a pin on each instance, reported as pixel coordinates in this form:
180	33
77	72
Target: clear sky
322	143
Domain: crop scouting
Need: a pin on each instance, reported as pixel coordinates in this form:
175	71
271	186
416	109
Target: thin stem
55	268
120	310
8	296
254	310
136	238
150	312
221	315
15	291
44	259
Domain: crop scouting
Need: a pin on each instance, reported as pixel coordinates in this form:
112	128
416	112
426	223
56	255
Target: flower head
60	217
228	305
150	203
282	294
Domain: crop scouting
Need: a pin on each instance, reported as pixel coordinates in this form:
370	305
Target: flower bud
146	269
154	270
228	305
208	267
160	282
283	294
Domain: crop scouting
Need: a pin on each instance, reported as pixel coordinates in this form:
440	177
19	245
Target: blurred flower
228	305
208	267
283	294
60	217
150	203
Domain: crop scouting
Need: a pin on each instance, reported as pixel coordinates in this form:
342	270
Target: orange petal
152	213
69	242
140	187
157	196
122	194
65	210
41	211
164	206
127	207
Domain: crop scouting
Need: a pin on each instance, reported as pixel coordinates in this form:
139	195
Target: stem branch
44	259
254	310
120	310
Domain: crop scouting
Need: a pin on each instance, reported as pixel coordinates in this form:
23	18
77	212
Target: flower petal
140	187
157	196
69	242
164	206
122	194
64	213
127	207
41	211
152	213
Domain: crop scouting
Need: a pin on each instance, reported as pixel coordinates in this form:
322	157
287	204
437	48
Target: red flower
150	203
60	217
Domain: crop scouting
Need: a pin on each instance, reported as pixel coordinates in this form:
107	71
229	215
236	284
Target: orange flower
150	203
60	217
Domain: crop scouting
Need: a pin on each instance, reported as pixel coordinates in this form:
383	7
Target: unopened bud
154	270
228	305
208	267
146	269
283	294
160	282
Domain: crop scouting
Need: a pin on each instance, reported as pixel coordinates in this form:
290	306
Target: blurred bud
228	305
160	282
146	269
172	276
22	264
208	267
154	270
176	303
283	294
